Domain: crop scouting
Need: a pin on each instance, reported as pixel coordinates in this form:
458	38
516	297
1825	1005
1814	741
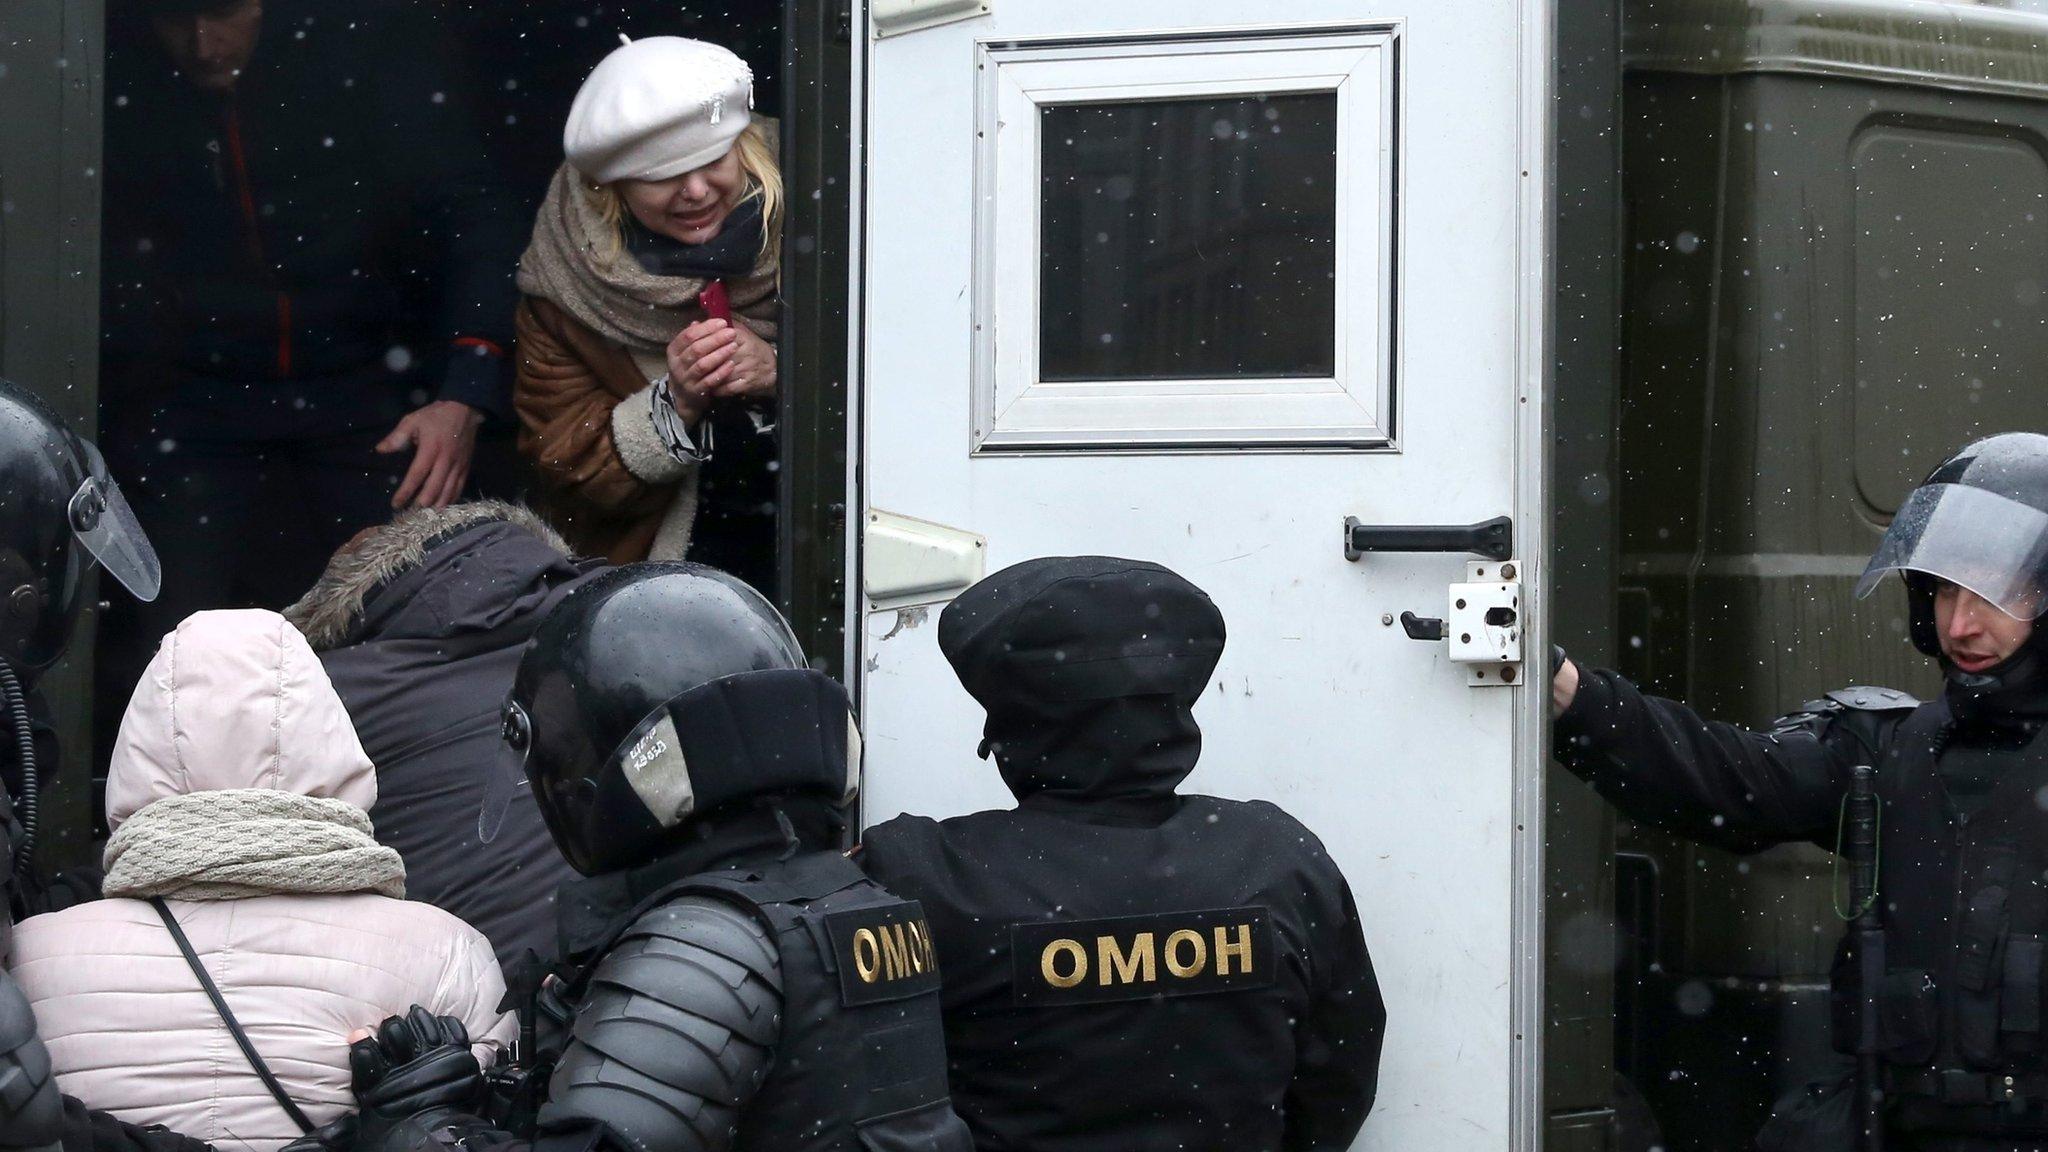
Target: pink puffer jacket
238	700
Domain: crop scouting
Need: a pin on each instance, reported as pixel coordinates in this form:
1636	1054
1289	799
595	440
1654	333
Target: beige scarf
577	262
237	842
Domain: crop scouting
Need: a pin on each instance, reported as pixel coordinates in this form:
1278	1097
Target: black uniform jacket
1664	764
1194	981
1963	865
1122	967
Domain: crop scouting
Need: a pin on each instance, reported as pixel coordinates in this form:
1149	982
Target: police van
1419	335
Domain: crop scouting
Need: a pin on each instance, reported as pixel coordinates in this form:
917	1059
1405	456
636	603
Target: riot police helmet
1979	521
59	512
656	695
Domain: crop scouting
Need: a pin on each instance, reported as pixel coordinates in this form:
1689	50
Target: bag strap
220	1005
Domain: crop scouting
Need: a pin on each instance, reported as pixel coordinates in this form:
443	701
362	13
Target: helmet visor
1979	540
505	773
103	522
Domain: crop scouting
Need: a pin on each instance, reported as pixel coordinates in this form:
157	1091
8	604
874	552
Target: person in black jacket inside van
1122	966
307	272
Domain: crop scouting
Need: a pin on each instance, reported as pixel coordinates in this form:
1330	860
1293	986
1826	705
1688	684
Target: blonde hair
763	182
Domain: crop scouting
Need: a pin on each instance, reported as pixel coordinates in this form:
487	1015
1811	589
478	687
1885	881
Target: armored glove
418	1086
31	1110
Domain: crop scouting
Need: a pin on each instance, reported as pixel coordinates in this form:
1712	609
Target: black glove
414	1078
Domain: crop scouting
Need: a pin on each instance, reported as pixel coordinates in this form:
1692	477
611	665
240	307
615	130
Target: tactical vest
1966	915
861	1058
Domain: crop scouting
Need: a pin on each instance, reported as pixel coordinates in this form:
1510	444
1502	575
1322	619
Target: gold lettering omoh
1242	949
920	946
1048	969
895	952
1115	966
867	955
1175	964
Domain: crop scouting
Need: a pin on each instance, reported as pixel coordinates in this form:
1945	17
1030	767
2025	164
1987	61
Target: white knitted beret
657	108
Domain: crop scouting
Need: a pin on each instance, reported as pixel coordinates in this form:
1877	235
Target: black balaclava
2014	687
1089	668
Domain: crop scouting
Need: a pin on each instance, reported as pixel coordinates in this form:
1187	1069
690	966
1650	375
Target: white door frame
1531	512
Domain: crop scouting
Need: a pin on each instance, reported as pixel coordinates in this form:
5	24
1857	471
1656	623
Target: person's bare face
689	208
211	48
1975	635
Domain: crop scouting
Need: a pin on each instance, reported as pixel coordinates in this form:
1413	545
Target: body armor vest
1966	915
861	1058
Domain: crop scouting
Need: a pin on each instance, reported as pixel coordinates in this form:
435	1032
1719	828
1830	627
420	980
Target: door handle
1493	539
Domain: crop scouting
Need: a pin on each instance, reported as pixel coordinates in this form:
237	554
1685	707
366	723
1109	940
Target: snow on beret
657	108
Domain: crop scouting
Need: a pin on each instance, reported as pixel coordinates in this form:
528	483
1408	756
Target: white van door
1195	281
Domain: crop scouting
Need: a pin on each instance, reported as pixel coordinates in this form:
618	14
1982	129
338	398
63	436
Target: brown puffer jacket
570	380
584	411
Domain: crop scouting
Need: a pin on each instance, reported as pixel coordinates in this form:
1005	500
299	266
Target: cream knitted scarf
577	262
236	842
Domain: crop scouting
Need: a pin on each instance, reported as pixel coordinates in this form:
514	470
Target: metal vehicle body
1067	211
1668	285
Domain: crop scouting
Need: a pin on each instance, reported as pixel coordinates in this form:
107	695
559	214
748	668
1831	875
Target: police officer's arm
1663	763
1337	1041
673	1036
87	1131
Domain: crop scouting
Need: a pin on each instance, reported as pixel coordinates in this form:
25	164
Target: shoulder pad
1865	715
677	1029
1866	699
31	1109
675	944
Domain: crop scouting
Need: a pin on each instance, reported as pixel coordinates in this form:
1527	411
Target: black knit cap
1082	628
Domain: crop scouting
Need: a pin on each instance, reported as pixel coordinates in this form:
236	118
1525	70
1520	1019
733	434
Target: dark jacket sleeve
1664	764
89	1131
468	222
1337	1041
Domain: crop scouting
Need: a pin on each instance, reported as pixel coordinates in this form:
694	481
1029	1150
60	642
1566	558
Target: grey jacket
420	632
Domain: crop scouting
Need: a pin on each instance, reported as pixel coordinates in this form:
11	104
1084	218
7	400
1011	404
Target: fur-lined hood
334	611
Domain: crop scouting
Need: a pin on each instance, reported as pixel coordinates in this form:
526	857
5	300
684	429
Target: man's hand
1564	686
443	436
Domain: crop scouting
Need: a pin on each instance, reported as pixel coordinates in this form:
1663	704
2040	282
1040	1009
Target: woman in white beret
646	334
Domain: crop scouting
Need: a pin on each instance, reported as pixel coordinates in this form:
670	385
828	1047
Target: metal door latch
1483	623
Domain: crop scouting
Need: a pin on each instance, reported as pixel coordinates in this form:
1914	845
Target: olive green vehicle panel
1960	47
49	304
1834	264
1578	1041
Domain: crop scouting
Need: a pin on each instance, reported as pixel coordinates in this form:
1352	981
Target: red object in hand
712	299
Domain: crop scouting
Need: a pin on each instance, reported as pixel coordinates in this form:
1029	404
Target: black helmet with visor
657	694
59	511
1980	522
